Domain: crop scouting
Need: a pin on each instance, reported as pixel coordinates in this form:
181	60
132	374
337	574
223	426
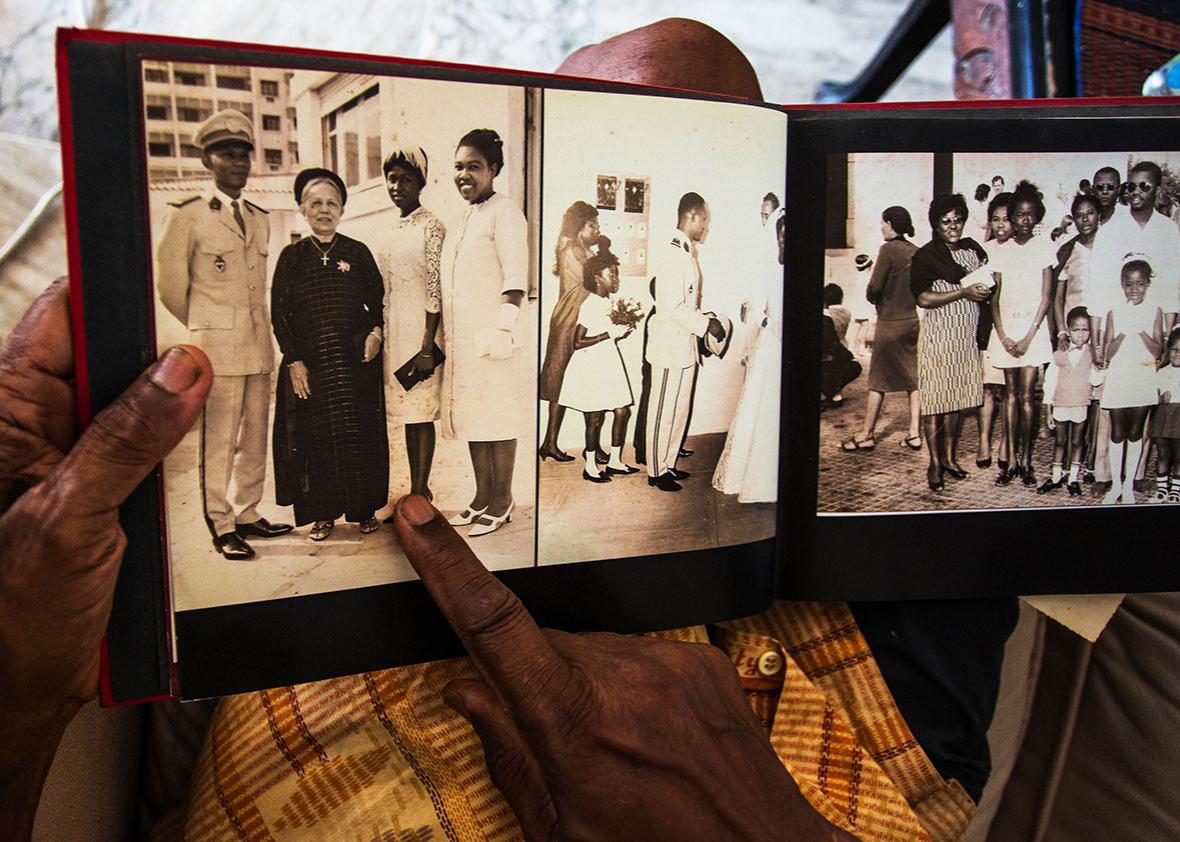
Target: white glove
499	345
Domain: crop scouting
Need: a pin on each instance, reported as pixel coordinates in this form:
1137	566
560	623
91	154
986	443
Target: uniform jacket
677	322
213	278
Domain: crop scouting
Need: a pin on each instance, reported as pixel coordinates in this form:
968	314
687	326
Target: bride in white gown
748	466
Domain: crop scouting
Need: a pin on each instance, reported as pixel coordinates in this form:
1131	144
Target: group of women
997	296
359	339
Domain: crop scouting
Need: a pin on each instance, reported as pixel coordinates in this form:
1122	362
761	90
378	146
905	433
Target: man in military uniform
211	274
673	348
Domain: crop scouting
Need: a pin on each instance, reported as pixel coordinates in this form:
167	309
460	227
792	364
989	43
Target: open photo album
660	357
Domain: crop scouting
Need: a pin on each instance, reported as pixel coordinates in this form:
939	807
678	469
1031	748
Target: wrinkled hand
372	347
600	736
60	541
299	380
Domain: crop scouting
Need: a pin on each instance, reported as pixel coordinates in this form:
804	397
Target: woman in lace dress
748	466
410	266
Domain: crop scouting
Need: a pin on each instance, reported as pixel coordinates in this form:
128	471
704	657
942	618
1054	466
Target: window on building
189	150
233	83
155	74
245	107
274	158
157	112
270	122
269	87
352	138
189	115
293	152
160	148
185	77
293	119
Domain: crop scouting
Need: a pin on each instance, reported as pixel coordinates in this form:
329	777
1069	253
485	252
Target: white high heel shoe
486	524
466	516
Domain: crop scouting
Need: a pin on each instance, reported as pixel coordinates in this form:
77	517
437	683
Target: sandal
854	444
321	529
912	442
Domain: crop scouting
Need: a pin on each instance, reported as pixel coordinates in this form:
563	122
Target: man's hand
60	541
600	736
716	329
300	382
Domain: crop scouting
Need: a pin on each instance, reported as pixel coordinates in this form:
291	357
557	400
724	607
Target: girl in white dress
595	379
1020	342
410	265
748	466
1132	341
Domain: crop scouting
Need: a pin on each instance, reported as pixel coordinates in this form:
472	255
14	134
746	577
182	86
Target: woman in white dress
1020	342
595	380
489	390
410	265
748	466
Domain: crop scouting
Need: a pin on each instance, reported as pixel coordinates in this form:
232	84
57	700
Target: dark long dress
571	295
330	450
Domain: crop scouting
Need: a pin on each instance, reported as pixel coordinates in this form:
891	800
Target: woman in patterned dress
413	301
329	402
950	375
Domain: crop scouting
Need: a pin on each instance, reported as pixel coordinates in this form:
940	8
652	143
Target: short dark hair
1080	199
1150	167
946	203
1026	191
1139	265
999	178
689	203
833	294
999	200
488	144
1077	313
899	220
773	199
1173	336
595	265
1108	171
981	191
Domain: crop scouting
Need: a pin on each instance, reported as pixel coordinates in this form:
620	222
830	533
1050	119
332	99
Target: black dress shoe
684	453
955	473
589	477
263	528
676	474
233	547
554	454
665	482
624	471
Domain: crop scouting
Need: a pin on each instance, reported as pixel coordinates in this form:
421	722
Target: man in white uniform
672	348
211	274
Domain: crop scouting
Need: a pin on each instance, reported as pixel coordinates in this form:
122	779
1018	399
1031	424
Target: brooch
219	263
343	265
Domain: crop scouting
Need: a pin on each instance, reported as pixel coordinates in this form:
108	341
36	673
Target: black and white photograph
352	253
997	331
661	326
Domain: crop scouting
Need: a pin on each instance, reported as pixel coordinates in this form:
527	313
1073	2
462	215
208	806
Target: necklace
323	252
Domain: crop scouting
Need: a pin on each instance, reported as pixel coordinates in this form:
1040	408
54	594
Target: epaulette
180	203
256	207
676	242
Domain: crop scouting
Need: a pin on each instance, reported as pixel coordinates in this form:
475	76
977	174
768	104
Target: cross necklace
323	252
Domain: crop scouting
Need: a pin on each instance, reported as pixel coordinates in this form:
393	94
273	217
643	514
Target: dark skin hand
60	541
599	736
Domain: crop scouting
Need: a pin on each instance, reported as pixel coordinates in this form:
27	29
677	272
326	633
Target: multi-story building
179	96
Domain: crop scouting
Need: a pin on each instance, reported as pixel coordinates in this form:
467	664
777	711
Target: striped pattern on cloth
379	756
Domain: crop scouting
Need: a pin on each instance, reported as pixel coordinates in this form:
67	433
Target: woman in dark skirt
894	367
950	371
330	444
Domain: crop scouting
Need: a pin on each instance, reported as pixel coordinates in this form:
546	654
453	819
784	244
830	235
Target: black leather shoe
679	474
624	471
233	547
589	477
263	528
664	482
685	453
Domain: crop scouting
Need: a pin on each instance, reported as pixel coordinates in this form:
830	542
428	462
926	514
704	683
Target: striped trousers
667	416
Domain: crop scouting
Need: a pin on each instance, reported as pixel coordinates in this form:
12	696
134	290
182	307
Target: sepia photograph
352	252
661	325
997	331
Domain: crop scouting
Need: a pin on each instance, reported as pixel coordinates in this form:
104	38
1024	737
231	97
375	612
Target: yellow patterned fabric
380	758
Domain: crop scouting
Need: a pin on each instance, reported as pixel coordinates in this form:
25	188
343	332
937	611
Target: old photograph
352	252
661	325
997	331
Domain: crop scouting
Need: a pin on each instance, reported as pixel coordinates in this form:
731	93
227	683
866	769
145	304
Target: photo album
660	357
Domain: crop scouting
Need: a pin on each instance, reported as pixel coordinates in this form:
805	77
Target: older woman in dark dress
950	373
330	444
894	367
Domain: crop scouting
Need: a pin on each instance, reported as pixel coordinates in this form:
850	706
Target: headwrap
410	156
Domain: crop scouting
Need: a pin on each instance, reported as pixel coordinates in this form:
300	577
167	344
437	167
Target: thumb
511	764
130	437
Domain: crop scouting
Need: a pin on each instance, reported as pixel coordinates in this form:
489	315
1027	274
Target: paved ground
892	478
